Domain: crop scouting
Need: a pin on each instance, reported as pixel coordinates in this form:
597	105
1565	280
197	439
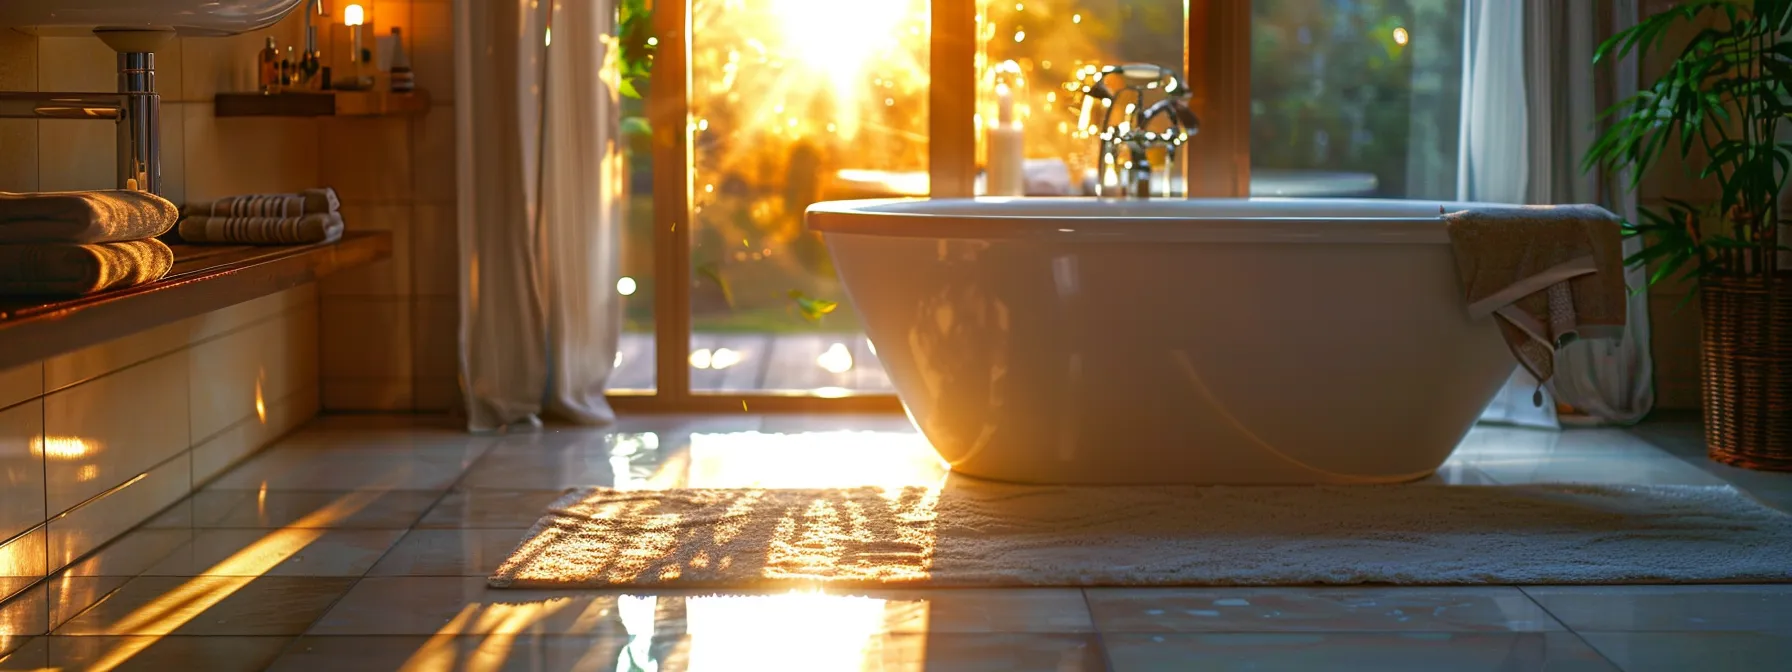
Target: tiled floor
362	543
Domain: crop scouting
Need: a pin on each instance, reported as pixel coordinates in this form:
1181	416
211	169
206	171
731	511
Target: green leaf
812	309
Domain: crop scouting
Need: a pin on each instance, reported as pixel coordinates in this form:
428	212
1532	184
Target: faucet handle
1178	111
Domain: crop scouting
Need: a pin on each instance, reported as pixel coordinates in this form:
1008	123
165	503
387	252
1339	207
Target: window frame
1217	60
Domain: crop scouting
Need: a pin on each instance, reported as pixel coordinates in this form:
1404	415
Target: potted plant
1719	107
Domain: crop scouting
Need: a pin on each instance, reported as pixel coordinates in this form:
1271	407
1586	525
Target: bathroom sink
202	18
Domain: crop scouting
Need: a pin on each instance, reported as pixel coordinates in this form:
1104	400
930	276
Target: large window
1355	97
788	102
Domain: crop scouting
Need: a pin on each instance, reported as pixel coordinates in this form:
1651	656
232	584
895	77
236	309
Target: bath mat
989	535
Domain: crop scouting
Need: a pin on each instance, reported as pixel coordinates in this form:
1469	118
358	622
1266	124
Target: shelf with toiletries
344	70
321	104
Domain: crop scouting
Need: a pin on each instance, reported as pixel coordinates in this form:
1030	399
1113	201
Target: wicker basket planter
1747	371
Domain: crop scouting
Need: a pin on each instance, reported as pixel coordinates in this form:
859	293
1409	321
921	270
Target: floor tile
1513	456
986	610
957	652
70	595
493	653
545	468
393	510
1316	610
1764	608
449	553
22	617
855	614
1680	651
1454	651
786	652
1680	435
432	605
464	605
366	469
282	552
381	431
148	654
490	509
132	553
210	605
1595	469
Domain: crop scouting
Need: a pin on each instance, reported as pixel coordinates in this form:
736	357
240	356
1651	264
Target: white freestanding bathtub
1080	340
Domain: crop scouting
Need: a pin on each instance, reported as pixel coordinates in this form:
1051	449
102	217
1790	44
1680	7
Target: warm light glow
87	473
180	605
724	358
1020	35
837	359
61	447
779	49
700	358
625	286
1076	18
354	15
261	404
1401	37
838	630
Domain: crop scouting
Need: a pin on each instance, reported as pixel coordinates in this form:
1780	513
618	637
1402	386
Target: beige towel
1551	273
84	216
64	269
320	227
309	201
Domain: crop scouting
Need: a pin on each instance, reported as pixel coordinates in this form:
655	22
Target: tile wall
94	441
389	330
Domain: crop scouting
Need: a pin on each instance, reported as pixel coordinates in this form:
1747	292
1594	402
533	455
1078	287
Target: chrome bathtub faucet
1137	131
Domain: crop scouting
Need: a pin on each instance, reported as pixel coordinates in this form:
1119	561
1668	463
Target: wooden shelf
321	104
205	278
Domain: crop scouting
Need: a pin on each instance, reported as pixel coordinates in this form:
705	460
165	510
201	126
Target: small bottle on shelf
402	79
268	75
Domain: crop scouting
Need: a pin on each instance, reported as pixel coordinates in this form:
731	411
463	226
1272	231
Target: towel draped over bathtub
67	269
105	216
1551	274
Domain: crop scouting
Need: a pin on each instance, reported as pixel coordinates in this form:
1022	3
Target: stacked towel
62	244
1551	274
68	269
84	216
310	216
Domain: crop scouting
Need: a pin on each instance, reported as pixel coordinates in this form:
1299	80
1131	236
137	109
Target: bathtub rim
935	219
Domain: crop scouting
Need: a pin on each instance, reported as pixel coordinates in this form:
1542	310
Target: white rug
981	534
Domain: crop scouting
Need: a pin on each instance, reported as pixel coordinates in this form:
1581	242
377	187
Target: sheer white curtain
540	190
1531	100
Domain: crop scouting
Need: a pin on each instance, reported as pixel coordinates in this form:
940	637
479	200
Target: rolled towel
309	201
84	216
1550	273
67	270
320	227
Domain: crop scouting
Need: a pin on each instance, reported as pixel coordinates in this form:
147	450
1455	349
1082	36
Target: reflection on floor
362	543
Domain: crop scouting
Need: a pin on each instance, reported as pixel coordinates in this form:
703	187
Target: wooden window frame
1217	57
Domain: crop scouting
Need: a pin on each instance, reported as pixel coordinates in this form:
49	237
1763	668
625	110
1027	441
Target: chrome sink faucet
1138	129
135	109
